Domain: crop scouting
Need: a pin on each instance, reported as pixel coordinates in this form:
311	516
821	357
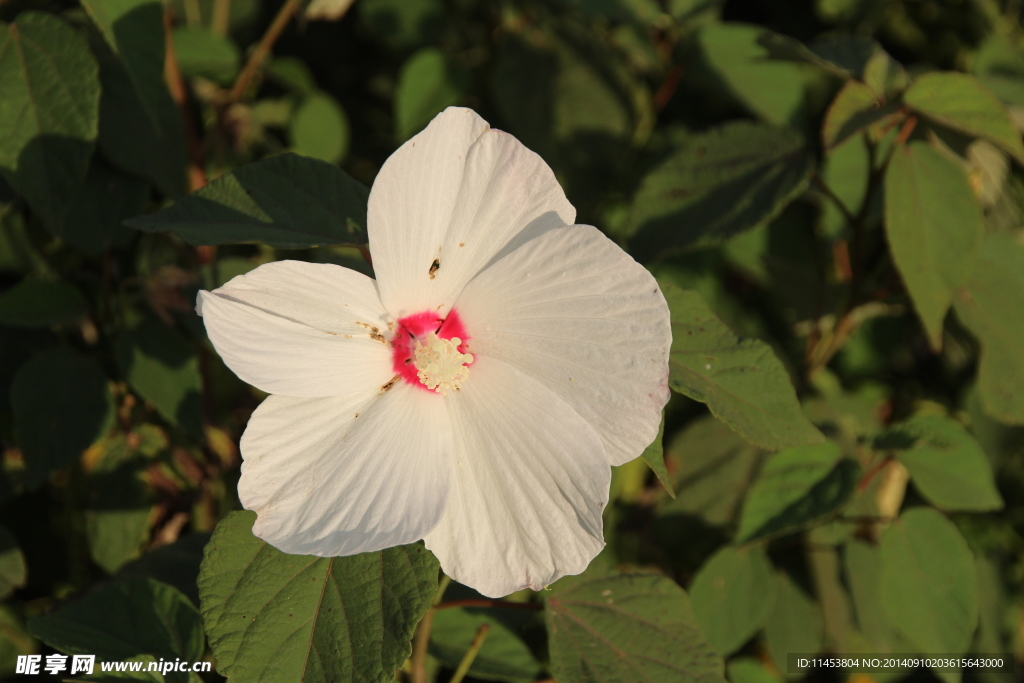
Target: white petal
456	196
300	329
325	482
574	311
530	482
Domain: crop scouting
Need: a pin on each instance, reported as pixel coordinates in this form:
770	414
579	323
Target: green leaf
855	108
134	30
928	582
41	303
504	656
750	670
796	623
847	174
123	619
946	464
319	128
287	201
999	65
201	52
654	456
61	404
163	368
427	84
12	564
935	228
714	466
145	143
773	90
863	569
795	487
991	307
717	184
841	55
276	617
176	564
733	596
143	676
118	515
961	102
106	199
741	380
607	626
49	112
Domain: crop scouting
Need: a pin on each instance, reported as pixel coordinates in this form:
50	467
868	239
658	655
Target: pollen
442	367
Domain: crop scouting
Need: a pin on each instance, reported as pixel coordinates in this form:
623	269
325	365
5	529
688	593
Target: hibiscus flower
475	395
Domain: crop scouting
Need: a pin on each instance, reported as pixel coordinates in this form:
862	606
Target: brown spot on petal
390	383
434	268
374	332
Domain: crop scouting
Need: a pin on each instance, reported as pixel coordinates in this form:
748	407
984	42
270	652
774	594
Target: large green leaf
771	89
717	184
426	85
797	486
163	368
276	617
134	31
961	102
991	307
118	516
286	201
61	405
935	228
49	112
733	595
41	303
12	564
741	380
123	619
319	128
607	627
106	199
945	462
928	582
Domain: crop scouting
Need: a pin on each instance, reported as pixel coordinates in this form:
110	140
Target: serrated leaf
733	595
855	108
49	111
287	201
427	84
928	582
504	656
741	380
134	31
935	228
946	464
795	487
41	303
606	626
961	102
654	456
991	306
276	617
163	368
61	405
124	619
12	564
718	184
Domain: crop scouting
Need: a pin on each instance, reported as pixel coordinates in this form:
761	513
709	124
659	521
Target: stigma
441	366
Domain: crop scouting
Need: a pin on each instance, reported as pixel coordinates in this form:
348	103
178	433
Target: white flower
474	395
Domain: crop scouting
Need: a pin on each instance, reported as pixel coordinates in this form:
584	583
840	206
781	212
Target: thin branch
471	653
419	647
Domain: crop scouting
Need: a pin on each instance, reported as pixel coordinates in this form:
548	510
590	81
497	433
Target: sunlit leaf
741	380
276	617
796	623
427	84
319	128
606	626
49	112
935	228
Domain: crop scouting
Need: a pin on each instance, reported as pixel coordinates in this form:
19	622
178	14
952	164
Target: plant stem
277	26
419	647
467	659
221	17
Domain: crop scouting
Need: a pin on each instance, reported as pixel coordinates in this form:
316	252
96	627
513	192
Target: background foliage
831	193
